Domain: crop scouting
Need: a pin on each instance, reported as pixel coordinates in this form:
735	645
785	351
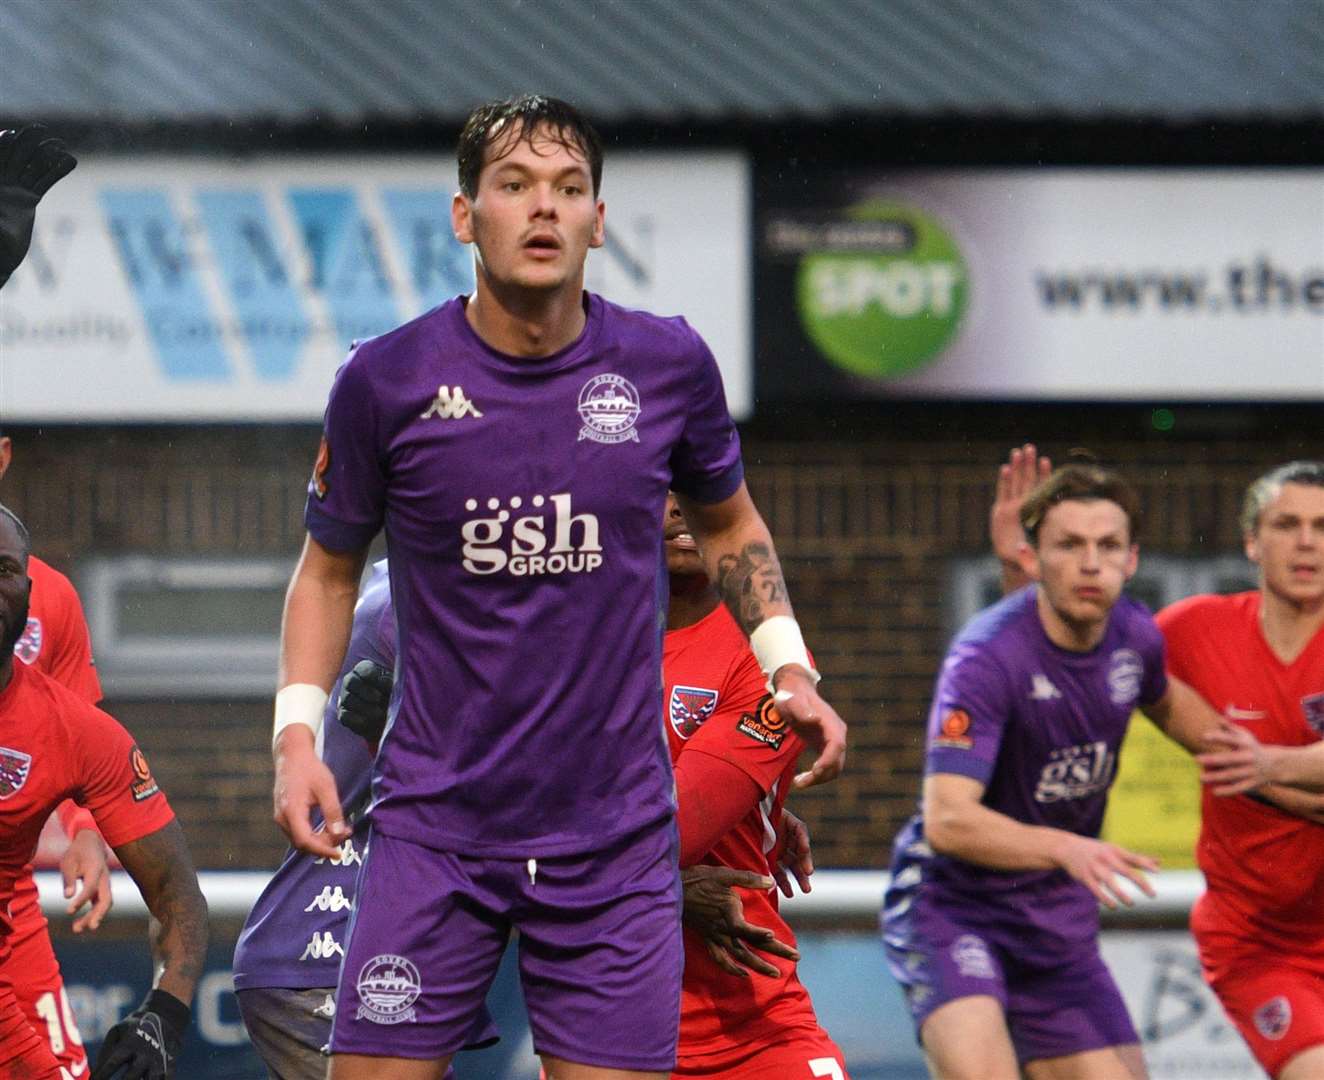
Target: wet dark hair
24	539
524	116
1080	481
1264	490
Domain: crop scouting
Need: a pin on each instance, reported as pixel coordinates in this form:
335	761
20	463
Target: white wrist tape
777	642
300	703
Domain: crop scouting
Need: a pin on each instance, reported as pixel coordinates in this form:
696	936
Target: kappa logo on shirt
451	404
689	707
1042	688
28	647
142	786
765	724
322	946
14	769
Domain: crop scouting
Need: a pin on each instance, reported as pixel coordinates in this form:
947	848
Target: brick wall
866	526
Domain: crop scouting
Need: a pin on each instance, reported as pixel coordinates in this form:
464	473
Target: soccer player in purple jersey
991	918
518	445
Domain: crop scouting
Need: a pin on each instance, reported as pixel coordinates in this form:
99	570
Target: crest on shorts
972	958
28	647
1274	1017
388	986
609	407
14	768
689	707
1313	707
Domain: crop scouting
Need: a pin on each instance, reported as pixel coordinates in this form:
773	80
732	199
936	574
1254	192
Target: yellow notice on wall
1154	807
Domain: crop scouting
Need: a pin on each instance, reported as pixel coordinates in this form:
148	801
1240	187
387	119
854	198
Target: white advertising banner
1182	1027
211	288
1168	284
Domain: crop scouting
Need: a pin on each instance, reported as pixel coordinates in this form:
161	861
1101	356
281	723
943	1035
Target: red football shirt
1264	867
716	704
57	643
55	746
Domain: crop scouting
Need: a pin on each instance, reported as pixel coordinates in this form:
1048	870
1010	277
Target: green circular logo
886	291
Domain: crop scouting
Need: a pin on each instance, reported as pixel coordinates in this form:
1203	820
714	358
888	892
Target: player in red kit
55	641
734	758
1258	657
55	746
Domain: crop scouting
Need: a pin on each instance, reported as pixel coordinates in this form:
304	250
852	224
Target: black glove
31	161
145	1044
365	695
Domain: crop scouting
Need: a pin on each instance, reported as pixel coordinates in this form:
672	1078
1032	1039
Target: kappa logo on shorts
388	986
955	730
1274	1017
14	768
689	707
972	958
766	724
609	407
143	785
28	647
1313	707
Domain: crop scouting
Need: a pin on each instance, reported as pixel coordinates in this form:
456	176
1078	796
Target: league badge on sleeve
955	731
689	707
766	725
320	467
143	785
14	768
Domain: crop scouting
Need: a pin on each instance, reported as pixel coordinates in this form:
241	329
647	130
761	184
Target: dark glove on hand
145	1044
365	696
31	160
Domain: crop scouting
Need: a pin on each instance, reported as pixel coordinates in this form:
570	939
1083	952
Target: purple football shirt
1040	727
522	500
295	935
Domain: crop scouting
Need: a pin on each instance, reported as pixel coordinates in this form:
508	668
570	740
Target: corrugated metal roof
665	60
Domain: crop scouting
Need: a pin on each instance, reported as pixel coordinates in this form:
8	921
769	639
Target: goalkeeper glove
31	161
365	697
145	1044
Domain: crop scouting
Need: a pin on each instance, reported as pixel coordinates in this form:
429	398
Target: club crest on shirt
320	467
28	647
1274	1017
609	407
765	724
142	785
14	768
955	730
1313	707
1125	670
388	986
689	707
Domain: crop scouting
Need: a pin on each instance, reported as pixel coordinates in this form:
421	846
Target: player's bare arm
1025	468
958	824
739	556
1234	762
1183	715
319	611
86	880
160	865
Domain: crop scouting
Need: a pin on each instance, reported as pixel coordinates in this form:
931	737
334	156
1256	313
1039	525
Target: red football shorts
1277	1004
804	1055
23	1056
35	975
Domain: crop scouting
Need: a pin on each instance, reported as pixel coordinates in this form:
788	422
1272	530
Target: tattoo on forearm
749	581
161	866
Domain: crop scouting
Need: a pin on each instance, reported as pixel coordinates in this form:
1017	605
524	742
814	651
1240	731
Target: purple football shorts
1059	998
600	951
